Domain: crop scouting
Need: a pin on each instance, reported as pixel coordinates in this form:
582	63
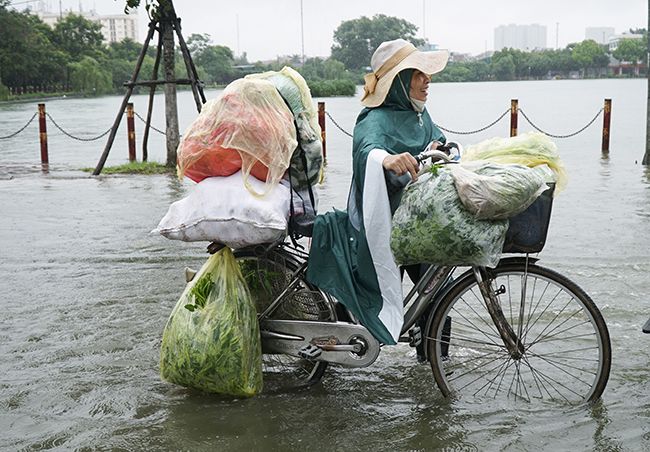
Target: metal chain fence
337	125
475	131
150	126
21	129
77	138
560	136
494	123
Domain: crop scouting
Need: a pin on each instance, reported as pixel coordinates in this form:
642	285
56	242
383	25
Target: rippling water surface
85	293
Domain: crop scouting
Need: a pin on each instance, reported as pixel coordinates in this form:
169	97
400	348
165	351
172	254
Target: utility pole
302	33
646	157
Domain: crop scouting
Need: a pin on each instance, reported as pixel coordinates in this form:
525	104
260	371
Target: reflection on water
86	291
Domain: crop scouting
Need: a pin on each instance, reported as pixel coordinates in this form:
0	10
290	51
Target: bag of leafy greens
498	191
530	149
212	340
432	225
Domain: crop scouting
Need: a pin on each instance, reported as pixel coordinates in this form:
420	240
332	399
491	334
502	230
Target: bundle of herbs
433	226
212	341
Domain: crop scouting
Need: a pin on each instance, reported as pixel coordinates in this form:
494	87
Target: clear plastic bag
494	191
530	149
248	126
432	225
293	87
212	339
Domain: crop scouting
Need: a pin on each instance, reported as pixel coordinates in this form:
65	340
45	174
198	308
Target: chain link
77	138
478	130
336	124
561	136
21	129
150	126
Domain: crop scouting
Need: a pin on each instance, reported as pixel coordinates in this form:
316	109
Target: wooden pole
127	95
152	92
321	123
606	122
514	111
43	134
131	131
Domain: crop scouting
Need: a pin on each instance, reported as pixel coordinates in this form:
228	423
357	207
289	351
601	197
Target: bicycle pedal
310	351
415	336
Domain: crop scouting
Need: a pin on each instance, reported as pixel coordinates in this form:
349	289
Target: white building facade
599	34
114	28
521	37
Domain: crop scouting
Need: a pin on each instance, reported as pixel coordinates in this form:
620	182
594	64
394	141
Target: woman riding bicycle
350	256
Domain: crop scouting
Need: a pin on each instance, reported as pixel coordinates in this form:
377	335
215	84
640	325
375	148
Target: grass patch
136	168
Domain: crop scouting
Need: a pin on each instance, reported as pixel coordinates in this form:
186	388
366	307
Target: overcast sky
265	29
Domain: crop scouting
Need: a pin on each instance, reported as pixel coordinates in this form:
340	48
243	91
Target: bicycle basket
527	230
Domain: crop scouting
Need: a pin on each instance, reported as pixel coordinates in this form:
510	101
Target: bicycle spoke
565	352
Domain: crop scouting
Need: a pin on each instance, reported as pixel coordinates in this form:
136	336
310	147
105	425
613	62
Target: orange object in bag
248	126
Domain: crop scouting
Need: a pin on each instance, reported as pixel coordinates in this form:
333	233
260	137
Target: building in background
521	37
599	34
115	28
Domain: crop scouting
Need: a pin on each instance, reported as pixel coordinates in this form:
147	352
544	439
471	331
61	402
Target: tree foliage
356	40
632	51
216	60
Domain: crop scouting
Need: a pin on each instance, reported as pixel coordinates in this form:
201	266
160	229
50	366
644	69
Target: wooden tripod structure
165	25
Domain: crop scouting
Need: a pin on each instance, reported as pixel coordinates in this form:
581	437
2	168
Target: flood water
85	292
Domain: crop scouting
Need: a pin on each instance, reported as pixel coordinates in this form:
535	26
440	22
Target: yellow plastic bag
247	126
212	339
530	149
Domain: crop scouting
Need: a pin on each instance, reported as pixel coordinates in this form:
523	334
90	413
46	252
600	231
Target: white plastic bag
222	209
496	191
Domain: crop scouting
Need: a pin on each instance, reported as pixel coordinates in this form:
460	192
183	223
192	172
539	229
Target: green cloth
393	126
357	269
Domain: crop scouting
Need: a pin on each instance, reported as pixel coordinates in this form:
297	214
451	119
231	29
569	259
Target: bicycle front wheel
565	351
268	277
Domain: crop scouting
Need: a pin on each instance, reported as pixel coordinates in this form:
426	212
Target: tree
88	76
590	54
79	37
631	50
503	68
27	55
356	40
216	60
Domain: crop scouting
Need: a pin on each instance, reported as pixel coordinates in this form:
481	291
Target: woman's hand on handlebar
402	164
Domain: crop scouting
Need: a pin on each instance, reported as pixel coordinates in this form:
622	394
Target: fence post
321	123
606	122
42	133
514	110
131	129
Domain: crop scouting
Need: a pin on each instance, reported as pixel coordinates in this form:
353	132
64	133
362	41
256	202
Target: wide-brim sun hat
392	57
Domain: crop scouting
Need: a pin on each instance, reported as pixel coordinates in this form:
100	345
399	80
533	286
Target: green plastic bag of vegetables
212	339
432	225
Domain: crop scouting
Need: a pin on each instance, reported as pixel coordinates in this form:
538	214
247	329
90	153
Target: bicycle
518	331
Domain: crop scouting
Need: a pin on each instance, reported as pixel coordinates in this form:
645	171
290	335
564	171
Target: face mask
418	105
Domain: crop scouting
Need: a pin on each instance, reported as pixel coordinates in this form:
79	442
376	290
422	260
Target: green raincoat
350	257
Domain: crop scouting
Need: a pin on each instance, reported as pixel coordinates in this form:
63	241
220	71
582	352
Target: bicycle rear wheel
268	275
566	346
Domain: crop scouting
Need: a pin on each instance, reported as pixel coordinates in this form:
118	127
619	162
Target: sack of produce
294	90
495	191
212	340
248	127
222	209
432	225
530	149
